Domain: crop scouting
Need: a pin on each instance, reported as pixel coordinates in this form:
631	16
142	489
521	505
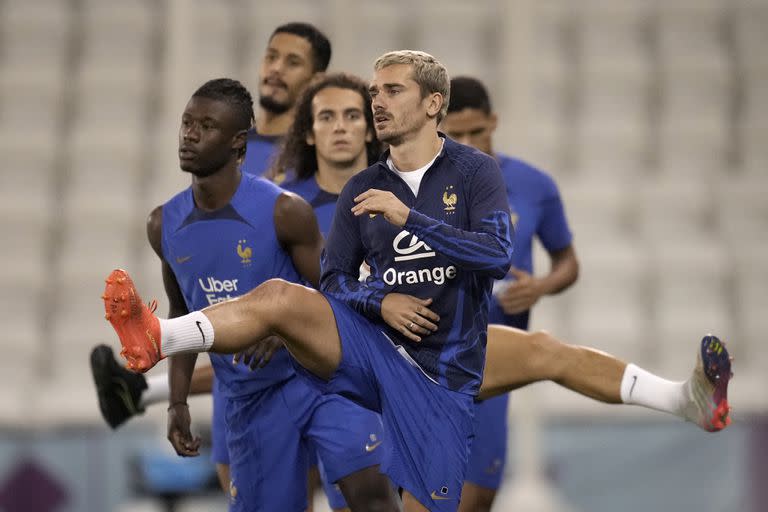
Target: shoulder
516	170
155	229
363	180
468	160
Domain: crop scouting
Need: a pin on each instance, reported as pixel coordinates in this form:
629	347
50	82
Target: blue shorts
219	454
428	427
269	435
489	450
335	499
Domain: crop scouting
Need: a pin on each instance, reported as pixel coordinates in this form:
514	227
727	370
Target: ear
494	121
435	104
369	136
310	138
240	140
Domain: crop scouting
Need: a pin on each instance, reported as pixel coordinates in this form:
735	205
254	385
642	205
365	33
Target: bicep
298	232
177	305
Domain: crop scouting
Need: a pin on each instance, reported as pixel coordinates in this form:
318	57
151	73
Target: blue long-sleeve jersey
456	241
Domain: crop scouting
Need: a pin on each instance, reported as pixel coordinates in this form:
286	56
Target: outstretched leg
228	327
515	358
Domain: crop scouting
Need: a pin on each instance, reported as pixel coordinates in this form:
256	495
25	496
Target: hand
259	354
375	201
178	431
522	294
409	315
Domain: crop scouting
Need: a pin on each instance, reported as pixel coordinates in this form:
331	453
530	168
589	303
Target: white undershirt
413	178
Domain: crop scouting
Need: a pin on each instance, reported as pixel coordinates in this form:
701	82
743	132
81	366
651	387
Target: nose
339	125
190	132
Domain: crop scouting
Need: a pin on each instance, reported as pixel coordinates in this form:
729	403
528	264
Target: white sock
640	387
157	391
186	334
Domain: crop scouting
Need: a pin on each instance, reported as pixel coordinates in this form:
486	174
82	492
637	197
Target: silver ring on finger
410	326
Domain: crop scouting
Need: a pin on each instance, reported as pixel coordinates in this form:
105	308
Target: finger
415	328
428	314
408	334
424	324
424	302
517	272
371	192
268	357
237	357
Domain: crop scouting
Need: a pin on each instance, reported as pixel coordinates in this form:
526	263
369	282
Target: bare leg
476	499
368	490
222	471
516	358
411	504
270	309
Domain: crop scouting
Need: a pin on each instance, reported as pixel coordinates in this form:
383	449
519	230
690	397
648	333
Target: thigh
347	437
507	361
268	457
489	449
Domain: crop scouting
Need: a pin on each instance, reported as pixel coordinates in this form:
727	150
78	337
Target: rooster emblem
449	199
245	253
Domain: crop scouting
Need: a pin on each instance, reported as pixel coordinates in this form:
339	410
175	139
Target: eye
354	116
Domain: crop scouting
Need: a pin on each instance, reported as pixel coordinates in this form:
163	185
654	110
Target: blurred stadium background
650	114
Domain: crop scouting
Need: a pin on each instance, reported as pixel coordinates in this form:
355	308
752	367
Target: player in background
537	211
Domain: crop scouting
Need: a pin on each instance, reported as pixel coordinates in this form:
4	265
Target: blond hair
428	72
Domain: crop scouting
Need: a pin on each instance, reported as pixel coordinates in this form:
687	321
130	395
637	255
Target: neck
332	178
416	152
271	124
215	191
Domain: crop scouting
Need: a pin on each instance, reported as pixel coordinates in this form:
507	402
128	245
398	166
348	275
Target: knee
547	354
271	294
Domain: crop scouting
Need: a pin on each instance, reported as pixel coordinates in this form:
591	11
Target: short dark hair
321	46
468	92
233	93
300	157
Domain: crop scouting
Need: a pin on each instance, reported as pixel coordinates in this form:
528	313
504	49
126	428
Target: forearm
563	273
487	250
345	287
182	367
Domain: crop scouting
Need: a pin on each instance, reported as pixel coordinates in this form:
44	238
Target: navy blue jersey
220	255
456	241
537	211
324	203
260	153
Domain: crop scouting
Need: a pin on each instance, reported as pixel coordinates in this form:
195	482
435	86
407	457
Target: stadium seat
691	281
614	37
599	211
676	209
608	306
690	35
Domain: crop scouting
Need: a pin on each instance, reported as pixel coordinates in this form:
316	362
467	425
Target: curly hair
296	154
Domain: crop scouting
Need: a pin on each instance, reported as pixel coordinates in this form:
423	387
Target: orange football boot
134	322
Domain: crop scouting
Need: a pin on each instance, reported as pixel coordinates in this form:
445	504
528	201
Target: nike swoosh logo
437	497
198	322
634	381
183	259
370	447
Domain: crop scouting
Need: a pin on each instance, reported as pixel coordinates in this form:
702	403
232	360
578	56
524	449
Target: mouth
187	154
276	83
341	144
380	118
